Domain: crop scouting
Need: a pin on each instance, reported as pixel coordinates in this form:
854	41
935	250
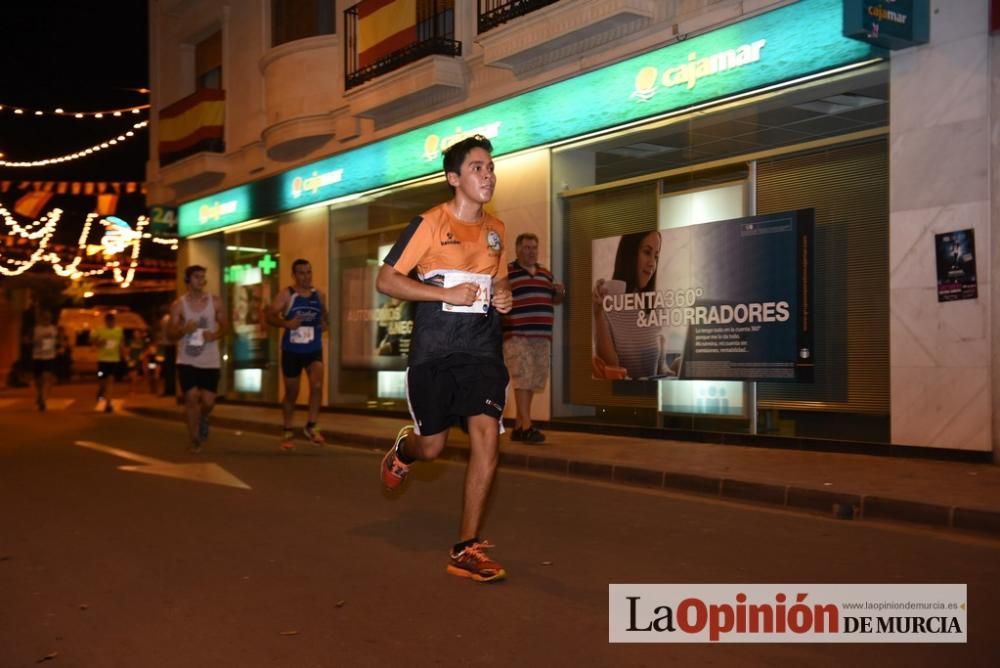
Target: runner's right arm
177	327
394	284
276	313
413	244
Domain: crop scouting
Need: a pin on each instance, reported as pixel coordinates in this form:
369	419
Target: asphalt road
314	565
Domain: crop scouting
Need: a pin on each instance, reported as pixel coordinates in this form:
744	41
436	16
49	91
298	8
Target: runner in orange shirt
456	372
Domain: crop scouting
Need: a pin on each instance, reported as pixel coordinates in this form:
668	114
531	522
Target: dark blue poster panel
729	300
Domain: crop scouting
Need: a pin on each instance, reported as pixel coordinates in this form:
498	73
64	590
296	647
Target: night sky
78	55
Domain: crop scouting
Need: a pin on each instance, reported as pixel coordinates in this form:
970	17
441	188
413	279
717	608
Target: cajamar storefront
778	112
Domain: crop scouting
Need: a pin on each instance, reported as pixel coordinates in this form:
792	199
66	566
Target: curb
840	505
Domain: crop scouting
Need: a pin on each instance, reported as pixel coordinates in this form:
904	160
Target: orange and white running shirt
437	244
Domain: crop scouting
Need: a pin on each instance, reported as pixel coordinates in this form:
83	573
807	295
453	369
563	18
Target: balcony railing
496	12
192	125
431	33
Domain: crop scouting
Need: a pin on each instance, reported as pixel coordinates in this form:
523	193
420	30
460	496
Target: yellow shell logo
431	145
645	84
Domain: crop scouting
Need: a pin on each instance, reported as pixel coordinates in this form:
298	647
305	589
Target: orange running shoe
288	440
473	563
314	435
392	470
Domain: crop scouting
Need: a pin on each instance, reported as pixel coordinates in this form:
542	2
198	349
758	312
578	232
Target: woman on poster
623	348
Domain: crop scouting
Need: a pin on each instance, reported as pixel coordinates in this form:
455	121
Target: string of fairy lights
78	114
118	240
59	111
117	251
82	153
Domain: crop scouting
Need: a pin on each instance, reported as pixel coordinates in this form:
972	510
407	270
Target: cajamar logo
434	145
648	80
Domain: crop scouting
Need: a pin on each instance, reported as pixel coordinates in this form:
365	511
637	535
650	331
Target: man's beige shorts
528	360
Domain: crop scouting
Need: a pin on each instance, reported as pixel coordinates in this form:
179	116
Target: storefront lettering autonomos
798	40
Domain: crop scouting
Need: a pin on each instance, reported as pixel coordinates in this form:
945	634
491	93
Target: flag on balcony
31	204
192	125
385	26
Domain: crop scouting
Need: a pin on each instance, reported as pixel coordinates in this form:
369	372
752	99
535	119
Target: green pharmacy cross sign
235	273
267	265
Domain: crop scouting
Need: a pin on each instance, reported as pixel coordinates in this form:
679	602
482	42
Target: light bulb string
59	112
82	153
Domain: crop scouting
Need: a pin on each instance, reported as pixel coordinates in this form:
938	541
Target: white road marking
197	471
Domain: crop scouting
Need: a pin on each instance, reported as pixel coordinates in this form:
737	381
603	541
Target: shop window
251	280
299	19
374	330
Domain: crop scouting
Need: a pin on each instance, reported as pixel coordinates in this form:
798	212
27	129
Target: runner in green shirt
110	342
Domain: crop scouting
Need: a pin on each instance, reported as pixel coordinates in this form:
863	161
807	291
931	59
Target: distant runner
301	311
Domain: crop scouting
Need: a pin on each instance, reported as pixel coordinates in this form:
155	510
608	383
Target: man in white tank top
198	322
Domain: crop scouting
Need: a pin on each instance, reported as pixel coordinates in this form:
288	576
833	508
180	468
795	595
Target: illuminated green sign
217	211
787	43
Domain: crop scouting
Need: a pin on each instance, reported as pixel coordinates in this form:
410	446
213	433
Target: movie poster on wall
956	265
728	300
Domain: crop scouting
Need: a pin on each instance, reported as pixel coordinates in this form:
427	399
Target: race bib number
302	335
197	338
482	303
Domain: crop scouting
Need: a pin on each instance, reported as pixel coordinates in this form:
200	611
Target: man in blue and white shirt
301	311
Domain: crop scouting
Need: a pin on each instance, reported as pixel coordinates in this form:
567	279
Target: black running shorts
292	363
44	366
193	377
115	370
444	392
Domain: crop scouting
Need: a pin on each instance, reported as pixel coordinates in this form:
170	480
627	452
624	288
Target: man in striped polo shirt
527	332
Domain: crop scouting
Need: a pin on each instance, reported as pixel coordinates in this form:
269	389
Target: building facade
285	130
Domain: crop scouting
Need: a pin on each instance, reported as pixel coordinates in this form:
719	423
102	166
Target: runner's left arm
221	318
503	300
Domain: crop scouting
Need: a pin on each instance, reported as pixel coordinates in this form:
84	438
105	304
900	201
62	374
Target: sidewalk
944	494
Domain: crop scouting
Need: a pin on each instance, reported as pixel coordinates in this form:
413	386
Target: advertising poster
729	300
376	329
956	265
251	343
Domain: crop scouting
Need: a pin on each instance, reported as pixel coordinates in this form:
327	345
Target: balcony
492	13
546	33
372	52
191	141
403	71
297	105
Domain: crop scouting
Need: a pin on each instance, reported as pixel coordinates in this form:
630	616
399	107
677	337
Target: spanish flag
192	125
31	204
385	26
